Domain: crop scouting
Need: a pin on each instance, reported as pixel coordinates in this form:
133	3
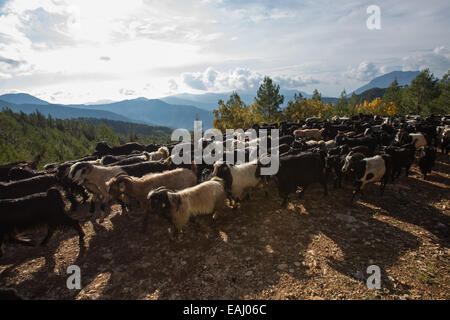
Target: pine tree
393	94
269	100
422	91
441	105
341	105
316	96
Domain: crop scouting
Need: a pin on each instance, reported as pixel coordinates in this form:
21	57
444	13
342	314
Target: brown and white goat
204	198
123	187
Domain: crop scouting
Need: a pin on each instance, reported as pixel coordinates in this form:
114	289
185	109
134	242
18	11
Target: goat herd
363	149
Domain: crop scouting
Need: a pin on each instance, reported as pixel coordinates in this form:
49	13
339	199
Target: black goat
427	159
401	158
104	149
23	172
21	188
300	171
35	210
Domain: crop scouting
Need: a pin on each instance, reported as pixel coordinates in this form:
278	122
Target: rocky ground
316	248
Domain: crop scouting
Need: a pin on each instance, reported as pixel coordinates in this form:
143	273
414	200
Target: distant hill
126	128
62	111
22	98
158	112
329	100
140	110
384	81
371	94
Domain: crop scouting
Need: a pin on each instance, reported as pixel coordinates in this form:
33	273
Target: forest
23	137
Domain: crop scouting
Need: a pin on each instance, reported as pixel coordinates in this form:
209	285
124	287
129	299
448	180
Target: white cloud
241	79
127	92
438	60
364	71
10	68
173	86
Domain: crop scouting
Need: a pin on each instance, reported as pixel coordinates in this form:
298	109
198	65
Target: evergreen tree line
24	136
426	95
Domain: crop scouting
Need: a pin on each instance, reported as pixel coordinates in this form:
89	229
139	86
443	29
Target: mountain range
175	111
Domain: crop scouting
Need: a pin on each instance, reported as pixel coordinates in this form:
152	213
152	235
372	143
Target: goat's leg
285	200
51	230
383	185
358	188
145	221
92	208
74	224
124	207
323	182
102	212
71	198
408	167
237	203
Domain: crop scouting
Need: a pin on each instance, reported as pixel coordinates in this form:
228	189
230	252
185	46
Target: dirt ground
316	248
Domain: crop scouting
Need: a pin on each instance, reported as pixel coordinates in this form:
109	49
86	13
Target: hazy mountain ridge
179	110
22	98
62	111
384	81
158	112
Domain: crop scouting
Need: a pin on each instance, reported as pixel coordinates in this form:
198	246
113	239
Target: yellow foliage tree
234	114
305	108
378	107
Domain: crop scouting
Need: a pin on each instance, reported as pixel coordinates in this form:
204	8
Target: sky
81	51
